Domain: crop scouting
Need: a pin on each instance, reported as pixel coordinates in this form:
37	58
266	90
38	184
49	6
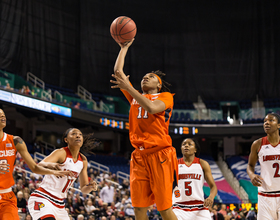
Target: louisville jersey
150	130
190	184
269	158
7	155
57	188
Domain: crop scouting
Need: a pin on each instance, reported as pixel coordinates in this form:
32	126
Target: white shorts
268	206
40	207
193	215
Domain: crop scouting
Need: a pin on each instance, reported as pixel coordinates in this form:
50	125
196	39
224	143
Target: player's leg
163	167
182	215
266	208
141	213
9	213
203	215
8	204
41	208
47	218
168	214
278	207
140	190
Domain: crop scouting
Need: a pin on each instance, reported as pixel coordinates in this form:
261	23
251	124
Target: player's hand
126	44
4	168
54	166
93	185
256	180
121	82
208	202
60	173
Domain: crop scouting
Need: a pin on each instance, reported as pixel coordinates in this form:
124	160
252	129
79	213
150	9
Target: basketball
123	29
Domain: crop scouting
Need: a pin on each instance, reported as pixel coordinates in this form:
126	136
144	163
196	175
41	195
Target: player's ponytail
164	85
89	144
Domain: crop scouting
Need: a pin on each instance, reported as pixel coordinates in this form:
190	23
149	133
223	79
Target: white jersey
189	195
55	189
269	158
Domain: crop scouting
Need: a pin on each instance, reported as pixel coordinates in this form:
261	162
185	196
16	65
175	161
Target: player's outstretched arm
35	168
118	69
85	185
208	202
119	64
253	158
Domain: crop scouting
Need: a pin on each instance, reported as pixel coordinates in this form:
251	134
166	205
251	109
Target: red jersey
150	130
8	155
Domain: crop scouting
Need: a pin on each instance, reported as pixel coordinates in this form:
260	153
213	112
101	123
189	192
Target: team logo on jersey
38	205
177	193
181	165
9	145
266	147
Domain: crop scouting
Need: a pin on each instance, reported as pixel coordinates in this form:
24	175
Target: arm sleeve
167	98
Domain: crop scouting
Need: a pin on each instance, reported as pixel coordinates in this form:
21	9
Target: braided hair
89	142
165	85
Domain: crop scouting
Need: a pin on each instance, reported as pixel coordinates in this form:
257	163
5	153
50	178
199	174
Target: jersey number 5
188	190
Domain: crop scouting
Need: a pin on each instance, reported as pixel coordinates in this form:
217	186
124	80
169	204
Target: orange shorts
8	206
153	175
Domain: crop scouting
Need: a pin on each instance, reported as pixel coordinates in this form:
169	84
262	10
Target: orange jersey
150	130
8	155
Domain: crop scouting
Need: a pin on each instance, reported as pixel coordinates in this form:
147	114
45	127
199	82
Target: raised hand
121	81
126	44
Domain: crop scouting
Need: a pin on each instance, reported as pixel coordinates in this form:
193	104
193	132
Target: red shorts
153	175
8	206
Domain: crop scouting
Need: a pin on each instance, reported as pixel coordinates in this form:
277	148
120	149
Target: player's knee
162	212
140	209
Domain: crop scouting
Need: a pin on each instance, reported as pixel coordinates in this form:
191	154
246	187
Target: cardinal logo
38	205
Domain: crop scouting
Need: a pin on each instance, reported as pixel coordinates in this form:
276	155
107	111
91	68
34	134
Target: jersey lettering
7	153
271	157
190	176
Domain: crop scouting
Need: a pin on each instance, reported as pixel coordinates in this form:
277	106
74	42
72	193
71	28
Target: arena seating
115	163
238	165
